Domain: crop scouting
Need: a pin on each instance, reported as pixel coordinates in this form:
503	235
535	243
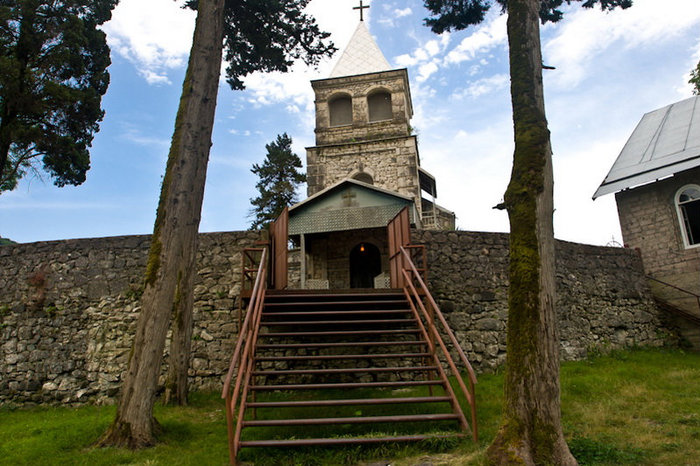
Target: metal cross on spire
361	8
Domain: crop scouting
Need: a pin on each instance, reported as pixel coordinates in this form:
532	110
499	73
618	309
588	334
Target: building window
379	104
340	109
688	204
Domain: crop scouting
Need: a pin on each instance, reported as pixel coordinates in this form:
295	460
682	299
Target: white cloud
134	135
484	86
486	37
155	36
400	13
585	34
424	71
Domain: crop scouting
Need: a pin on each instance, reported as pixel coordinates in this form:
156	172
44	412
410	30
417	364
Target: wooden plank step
348	370
345	440
343	356
335	292
340	344
339	322
329	386
382	302
347	402
335	313
339	333
350	420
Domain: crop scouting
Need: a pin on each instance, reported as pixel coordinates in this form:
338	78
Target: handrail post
243	355
431	310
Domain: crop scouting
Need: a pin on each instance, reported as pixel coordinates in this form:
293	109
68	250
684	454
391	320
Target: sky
611	68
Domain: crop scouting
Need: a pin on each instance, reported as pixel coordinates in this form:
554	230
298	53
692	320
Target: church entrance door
365	264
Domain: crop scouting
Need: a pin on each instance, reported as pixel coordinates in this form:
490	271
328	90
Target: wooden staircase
332	368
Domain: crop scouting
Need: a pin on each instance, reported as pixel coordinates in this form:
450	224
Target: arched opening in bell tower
379	105
340	110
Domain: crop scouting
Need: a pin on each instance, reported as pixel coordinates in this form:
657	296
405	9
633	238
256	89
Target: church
364	169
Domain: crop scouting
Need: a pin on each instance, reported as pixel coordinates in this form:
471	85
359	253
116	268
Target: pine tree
279	179
53	74
695	79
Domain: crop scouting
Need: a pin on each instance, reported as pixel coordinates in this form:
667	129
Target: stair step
329	386
335	313
350	402
339	322
343	356
341	344
350	420
344	441
350	370
383	302
338	333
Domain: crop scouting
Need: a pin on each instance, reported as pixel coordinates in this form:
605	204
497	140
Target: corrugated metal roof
349	218
362	55
347	205
666	141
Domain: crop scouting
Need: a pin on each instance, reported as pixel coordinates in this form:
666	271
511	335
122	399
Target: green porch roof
347	205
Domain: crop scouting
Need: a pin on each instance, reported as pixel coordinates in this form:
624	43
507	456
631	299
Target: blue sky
610	70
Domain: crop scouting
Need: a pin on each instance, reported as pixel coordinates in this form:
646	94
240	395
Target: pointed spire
362	55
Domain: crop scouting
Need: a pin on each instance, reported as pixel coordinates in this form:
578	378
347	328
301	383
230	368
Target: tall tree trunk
171	262
5	142
176	387
531	432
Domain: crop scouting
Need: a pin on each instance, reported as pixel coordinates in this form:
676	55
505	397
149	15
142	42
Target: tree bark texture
531	432
171	263
176	387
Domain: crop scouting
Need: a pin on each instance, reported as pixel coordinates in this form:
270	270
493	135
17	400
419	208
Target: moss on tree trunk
531	432
171	263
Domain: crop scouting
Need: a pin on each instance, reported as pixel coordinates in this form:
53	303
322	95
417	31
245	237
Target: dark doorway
365	264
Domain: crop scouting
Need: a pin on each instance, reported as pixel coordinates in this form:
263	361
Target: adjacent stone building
656	179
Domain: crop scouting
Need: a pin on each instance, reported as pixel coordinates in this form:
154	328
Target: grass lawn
638	407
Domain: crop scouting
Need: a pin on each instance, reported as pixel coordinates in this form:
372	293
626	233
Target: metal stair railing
243	354
670	306
416	293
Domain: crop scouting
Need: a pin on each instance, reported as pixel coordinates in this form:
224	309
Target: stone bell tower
363	130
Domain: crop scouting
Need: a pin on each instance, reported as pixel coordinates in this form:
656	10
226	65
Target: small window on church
688	204
340	109
379	105
364	178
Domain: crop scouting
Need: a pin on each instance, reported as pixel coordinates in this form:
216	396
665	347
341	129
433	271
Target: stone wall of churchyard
603	300
68	308
68	311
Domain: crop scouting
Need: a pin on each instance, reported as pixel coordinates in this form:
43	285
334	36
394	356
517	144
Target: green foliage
53	74
629	408
279	179
591	451
695	79
4	241
269	35
51	310
460	14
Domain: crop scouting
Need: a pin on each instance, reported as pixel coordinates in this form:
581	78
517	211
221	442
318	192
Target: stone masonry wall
603	301
68	308
392	164
68	311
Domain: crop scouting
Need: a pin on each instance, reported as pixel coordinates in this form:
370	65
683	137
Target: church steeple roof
362	55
